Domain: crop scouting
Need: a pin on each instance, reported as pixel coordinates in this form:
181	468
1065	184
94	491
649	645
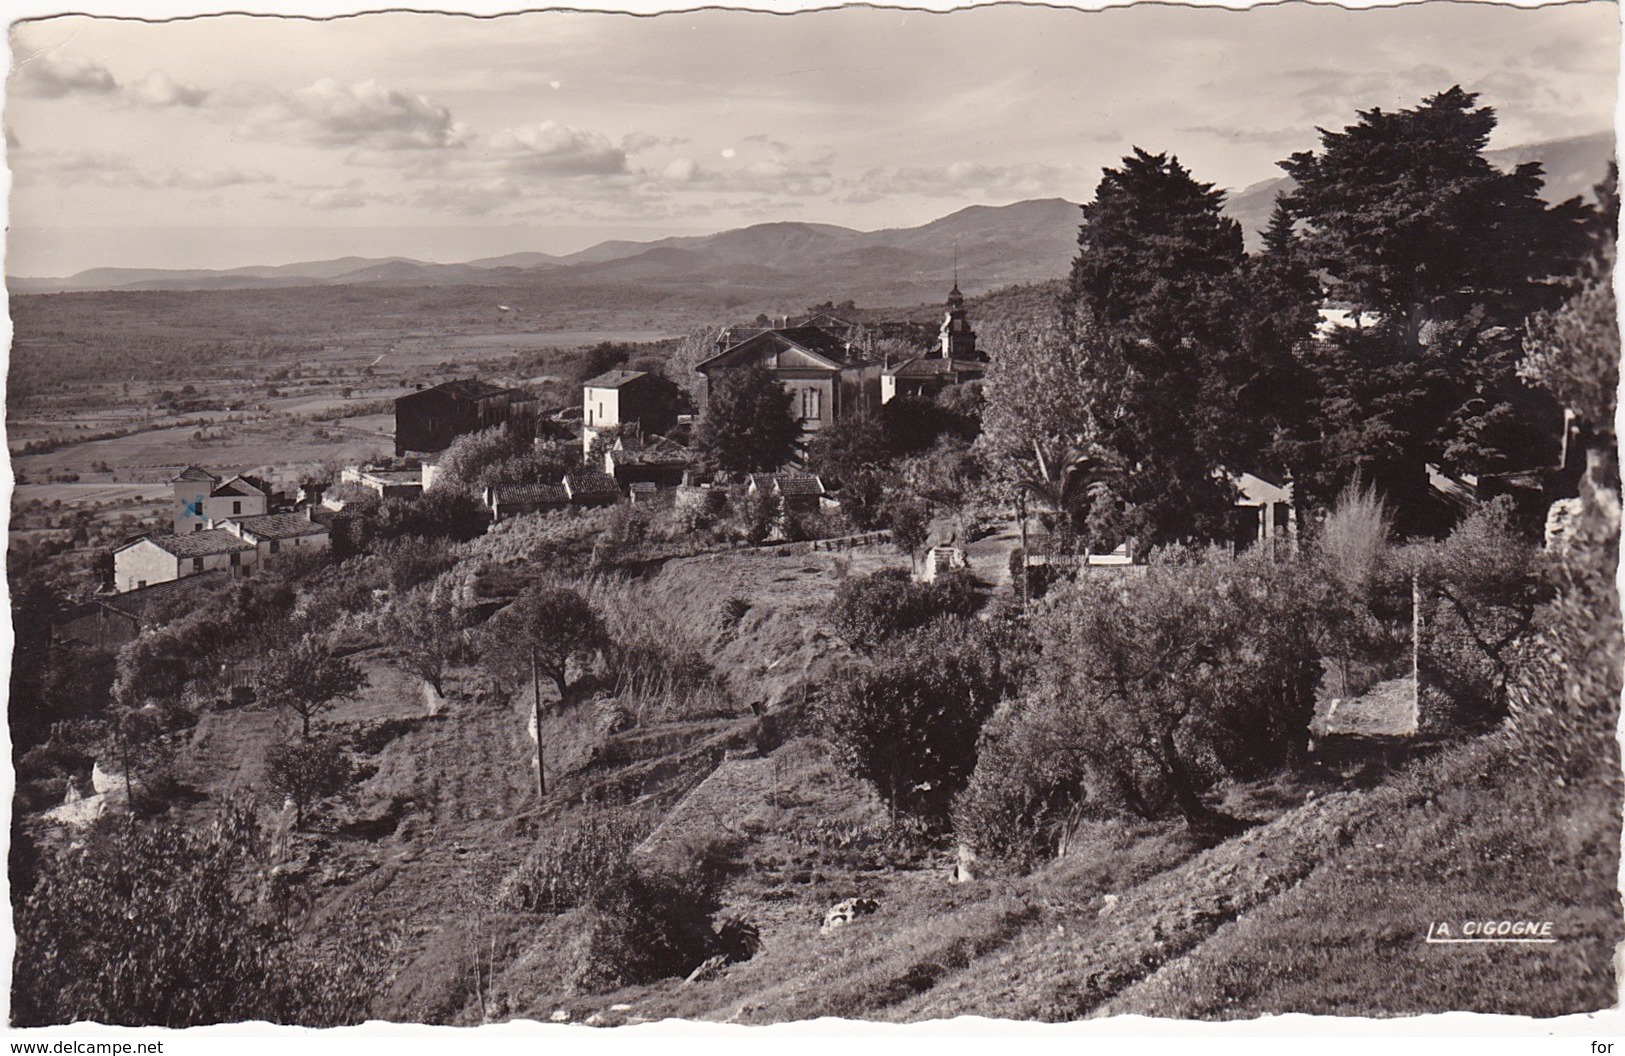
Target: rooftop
613	379
205	543
470	389
591	484
279	525
930	366
137	602
539	493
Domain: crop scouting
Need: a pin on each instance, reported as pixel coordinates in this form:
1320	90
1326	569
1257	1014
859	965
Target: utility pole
536	689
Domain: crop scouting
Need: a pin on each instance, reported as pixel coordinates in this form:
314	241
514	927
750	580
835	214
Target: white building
163	558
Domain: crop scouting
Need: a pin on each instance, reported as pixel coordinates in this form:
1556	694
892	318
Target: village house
427	421
275	533
828	379
109	621
954	361
588	487
658	461
516	499
201	497
153	559
386	483
624	399
1263	514
799	492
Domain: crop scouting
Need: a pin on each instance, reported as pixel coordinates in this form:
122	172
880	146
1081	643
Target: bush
1365	612
872	610
161	925
908	722
644	924
1143	695
1481	588
571	862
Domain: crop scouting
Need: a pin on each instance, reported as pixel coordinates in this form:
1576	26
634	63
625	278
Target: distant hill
995	246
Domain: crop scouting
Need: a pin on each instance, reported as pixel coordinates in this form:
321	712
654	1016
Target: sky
235	140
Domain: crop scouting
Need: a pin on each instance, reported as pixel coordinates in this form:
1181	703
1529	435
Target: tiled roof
528	493
137	602
279	525
662	453
787	483
931	366
591	484
811	339
471	389
194	473
237	486
821	341
613	379
205	543
797	484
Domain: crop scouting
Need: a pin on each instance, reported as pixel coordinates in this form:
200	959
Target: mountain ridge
992	245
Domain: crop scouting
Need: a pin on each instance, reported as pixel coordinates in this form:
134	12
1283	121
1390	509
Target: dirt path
989	556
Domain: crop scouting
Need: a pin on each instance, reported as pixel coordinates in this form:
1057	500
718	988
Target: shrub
1481	588
872	610
307	772
572	861
644	924
908	722
1564	695
164	925
1365	632
1144	694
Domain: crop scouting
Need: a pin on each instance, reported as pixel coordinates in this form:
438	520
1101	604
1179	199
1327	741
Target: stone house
427	421
828	379
276	533
109	621
620	399
799	492
658	461
202	497
514	500
153	559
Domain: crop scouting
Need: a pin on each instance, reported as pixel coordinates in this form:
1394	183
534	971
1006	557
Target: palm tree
1059	481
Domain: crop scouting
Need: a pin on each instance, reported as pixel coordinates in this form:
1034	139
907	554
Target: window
197	564
140	583
236	507
810	403
236	560
274	546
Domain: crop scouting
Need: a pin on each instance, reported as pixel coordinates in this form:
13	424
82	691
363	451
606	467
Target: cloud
476	198
967	177
779	175
365	115
45	75
49	76
554	149
336	198
159	89
638	142
96	168
1269	137
211	178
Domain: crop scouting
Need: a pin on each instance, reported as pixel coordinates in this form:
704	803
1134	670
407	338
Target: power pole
536	689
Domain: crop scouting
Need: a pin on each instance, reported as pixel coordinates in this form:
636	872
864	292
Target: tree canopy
747	426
